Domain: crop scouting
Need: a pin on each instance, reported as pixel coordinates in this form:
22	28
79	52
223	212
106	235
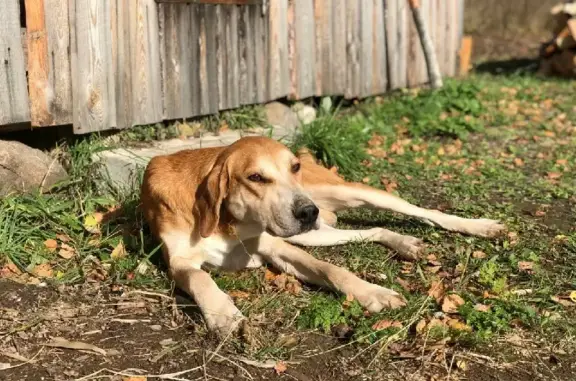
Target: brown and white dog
240	206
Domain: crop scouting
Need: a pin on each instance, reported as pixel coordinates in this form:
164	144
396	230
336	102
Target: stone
280	115
25	169
306	114
123	166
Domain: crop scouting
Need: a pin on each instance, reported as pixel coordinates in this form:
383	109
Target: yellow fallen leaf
119	251
526	266
573	296
383	324
421	326
461	364
280	367
92	222
237	294
451	303
135	378
458	325
51	245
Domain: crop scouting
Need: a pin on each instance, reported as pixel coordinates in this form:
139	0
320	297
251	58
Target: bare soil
149	335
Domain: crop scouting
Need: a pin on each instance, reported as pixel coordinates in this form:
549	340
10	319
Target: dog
255	202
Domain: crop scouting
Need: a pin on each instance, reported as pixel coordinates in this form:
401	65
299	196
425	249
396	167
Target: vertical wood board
14	106
278	71
353	49
302	48
379	70
338	46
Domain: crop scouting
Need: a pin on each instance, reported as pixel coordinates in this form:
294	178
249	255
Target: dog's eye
296	168
255	177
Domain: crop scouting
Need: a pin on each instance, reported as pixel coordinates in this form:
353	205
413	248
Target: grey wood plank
278	70
93	78
339	46
210	30
353	49
261	48
367	47
13	87
245	57
379	70
302	48
122	60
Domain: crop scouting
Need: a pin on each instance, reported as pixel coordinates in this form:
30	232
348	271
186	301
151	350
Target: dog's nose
307	214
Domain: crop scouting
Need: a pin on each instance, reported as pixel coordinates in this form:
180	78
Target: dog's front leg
295	261
355	195
184	265
406	246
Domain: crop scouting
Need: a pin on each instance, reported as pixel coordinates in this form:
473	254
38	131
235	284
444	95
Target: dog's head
257	181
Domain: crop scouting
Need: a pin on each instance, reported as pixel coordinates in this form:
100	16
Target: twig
233	363
149	293
25	362
167	376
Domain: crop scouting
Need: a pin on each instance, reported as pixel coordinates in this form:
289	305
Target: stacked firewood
558	56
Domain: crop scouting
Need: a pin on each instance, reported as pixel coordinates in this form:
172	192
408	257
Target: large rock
280	115
25	169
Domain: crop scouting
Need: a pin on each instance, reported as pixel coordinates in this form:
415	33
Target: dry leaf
383	324
237	294
43	271
526	266
539	213
60	342
405	284
458	325
572	296
270	275
561	301
134	378
421	326
481	307
280	367
62	238
451	303
437	291
66	251
119	251
51	245
9	270
553	175
92	222
461	364
478	254
518	162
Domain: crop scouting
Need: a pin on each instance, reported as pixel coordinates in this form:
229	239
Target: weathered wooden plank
120	11
222	62
48	36
245	57
412	62
13	88
379	70
353	49
260	51
236	2
324	64
231	37
278	70
367	47
422	71
302	48
171	64
441	35
338	46
209	20
144	48
453	40
92	67
397	39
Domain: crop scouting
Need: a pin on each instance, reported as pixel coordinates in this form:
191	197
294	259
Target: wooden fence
103	64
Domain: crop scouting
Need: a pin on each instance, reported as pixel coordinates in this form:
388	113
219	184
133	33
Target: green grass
487	146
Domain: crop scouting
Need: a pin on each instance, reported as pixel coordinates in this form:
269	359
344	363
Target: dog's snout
307	214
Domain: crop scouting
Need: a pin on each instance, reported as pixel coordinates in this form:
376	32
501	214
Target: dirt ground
148	335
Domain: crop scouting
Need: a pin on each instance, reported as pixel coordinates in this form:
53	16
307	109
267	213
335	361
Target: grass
494	147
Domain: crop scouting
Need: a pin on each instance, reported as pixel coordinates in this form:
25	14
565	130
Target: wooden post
427	46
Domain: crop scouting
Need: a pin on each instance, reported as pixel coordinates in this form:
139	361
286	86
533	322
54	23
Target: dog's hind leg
407	247
295	261
335	197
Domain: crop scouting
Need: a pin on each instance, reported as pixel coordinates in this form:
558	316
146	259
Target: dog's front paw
375	298
484	227
224	321
409	248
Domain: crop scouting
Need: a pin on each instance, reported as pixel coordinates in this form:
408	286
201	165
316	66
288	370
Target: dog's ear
209	197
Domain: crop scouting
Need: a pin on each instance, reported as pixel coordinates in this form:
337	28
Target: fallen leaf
553	175
539	213
433	269
237	294
478	254
383	324
92	222
526	266
366	180
421	326
481	307
451	303
62	238
458	325
66	251
60	342
134	378
51	245
405	284
280	367
573	296
518	162
270	275
9	270
119	251
43	271
437	291
462	364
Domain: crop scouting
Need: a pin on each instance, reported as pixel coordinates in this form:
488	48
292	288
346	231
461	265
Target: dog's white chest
228	253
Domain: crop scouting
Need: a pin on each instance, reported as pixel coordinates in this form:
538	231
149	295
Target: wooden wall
105	64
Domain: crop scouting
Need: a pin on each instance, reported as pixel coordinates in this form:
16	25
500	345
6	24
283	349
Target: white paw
375	298
409	248
484	227
224	320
